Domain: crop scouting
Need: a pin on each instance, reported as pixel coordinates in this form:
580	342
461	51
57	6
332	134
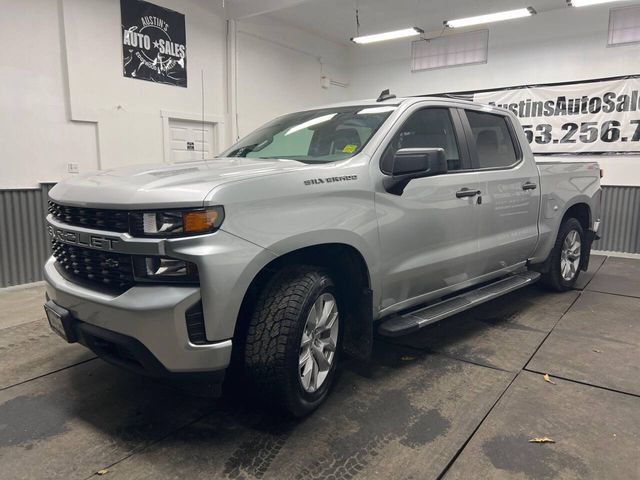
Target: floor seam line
447	355
464	445
615	294
37	377
453	357
586	384
475	430
142	448
551	330
594	273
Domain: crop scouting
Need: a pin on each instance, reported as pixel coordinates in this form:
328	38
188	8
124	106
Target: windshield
317	136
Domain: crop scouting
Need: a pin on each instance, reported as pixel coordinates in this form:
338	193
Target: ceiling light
367	111
587	3
379	37
491	17
310	123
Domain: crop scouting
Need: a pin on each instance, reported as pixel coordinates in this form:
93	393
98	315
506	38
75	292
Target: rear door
509	182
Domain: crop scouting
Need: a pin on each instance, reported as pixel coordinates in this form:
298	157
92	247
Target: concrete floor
460	399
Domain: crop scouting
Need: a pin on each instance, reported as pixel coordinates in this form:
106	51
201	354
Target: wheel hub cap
570	255
318	343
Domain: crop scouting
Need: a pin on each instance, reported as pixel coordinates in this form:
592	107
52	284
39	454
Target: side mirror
410	163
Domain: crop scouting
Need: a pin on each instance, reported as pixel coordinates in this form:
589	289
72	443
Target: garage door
189	140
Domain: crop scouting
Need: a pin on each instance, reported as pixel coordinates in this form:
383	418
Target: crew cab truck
308	237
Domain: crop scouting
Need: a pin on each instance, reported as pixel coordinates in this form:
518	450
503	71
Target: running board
412	321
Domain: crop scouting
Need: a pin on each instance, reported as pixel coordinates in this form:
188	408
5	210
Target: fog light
164	269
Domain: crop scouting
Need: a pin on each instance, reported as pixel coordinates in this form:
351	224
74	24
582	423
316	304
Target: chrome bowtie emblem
111	263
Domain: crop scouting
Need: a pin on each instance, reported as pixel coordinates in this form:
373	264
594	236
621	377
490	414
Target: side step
412	321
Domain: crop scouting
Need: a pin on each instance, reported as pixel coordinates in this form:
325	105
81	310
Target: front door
429	234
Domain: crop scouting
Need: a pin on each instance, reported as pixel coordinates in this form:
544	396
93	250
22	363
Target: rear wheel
291	350
565	260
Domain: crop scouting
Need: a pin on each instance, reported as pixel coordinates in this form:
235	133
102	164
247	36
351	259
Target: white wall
64	98
36	137
128	111
557	46
279	70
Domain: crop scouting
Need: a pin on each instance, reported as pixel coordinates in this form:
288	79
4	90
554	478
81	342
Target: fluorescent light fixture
588	3
380	37
310	123
491	17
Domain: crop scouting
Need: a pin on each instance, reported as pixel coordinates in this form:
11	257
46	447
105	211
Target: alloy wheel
318	343
570	255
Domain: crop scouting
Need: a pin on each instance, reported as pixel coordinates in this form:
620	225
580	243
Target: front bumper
151	315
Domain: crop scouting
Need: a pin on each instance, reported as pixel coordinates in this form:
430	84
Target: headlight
163	269
175	223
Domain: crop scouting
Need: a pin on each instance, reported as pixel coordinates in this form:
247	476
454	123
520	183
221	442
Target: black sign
154	43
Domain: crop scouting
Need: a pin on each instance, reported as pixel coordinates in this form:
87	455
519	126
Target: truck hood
161	186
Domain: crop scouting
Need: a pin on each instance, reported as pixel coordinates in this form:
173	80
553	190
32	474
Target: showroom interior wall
295	61
67	97
64	98
563	45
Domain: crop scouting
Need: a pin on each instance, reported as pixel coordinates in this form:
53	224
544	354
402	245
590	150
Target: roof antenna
385	95
202	95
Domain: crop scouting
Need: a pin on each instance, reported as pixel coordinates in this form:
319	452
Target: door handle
465	192
529	186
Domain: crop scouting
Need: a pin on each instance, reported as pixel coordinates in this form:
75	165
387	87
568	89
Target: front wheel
565	260
291	350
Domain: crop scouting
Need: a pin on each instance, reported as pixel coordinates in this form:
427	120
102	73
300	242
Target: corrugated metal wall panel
620	230
23	244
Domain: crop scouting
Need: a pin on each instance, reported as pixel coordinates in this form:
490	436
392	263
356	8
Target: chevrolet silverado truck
310	236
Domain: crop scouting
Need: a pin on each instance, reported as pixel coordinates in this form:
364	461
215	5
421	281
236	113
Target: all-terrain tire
273	341
553	278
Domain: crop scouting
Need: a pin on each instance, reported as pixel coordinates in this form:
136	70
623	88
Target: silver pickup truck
308	237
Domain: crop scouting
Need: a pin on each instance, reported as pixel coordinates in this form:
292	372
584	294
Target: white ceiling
335	19
245	8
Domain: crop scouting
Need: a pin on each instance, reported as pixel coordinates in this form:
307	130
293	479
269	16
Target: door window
427	128
494	144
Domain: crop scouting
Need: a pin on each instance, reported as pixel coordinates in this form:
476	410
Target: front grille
96	218
108	269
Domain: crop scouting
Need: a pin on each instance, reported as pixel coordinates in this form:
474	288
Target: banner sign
154	43
589	117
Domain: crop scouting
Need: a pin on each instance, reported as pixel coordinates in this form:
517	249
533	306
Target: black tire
553	279
274	335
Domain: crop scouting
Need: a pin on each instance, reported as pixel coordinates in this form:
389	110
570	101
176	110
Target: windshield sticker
349	148
319	181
